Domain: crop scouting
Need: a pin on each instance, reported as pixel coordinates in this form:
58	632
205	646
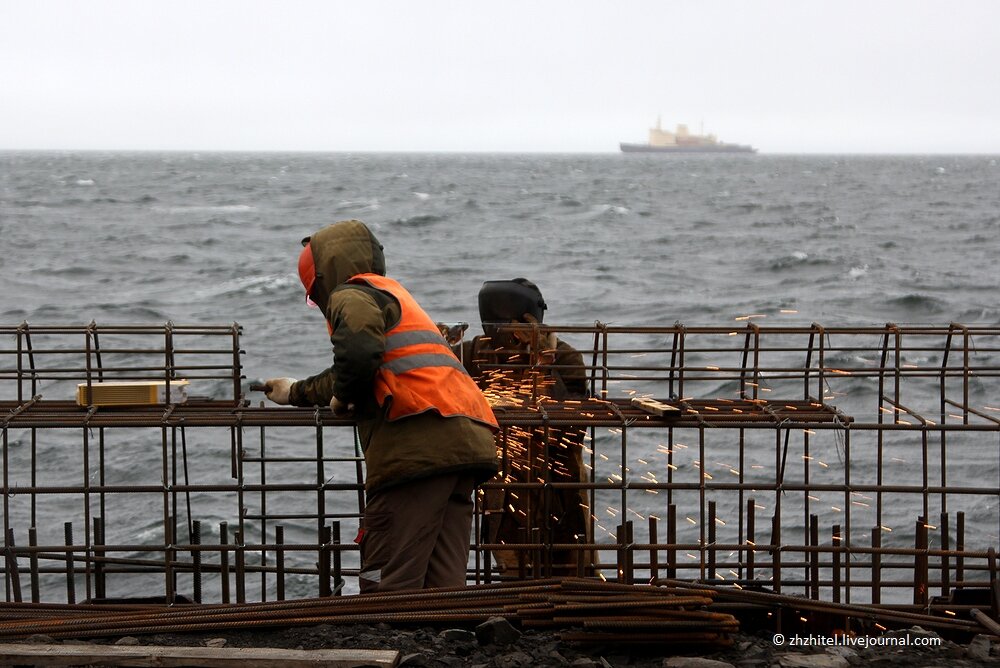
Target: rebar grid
847	465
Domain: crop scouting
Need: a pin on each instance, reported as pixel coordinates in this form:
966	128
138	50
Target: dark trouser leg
450	558
413	531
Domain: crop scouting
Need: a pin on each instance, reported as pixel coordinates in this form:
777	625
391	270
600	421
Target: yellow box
132	393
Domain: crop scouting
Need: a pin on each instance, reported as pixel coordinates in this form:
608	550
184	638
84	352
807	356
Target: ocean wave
918	304
137	311
195	208
981	315
795	259
856	272
71	271
419	221
250	285
359	206
597	212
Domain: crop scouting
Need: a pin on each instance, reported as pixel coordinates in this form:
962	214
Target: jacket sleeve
313	391
571	371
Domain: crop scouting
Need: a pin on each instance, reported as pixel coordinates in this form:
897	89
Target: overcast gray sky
540	75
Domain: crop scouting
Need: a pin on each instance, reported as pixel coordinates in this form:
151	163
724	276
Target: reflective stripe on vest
419	372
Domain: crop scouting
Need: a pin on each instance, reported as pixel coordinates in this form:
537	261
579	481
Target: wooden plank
654	407
146	656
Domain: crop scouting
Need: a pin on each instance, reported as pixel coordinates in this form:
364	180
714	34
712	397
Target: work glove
548	342
279	390
340	408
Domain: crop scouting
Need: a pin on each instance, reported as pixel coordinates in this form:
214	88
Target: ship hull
714	148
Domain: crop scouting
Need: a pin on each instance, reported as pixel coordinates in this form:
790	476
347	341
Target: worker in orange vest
425	427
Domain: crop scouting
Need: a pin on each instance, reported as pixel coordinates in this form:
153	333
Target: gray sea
624	239
213	238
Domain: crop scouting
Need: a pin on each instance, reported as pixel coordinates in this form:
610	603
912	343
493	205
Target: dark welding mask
506	302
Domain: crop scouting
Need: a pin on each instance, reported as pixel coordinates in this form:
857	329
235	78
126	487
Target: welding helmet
506	302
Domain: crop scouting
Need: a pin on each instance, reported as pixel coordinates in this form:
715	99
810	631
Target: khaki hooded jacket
398	451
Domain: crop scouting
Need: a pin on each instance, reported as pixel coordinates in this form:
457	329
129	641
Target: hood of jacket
340	251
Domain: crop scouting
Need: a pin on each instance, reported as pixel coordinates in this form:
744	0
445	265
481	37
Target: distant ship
682	141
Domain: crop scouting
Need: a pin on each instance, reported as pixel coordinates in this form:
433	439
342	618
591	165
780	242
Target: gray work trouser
416	535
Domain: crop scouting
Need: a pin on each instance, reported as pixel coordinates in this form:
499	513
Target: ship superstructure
682	140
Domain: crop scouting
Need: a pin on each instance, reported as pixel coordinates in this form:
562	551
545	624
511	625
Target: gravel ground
504	647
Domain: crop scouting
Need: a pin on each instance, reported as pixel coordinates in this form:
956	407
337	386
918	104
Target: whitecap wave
227	208
857	272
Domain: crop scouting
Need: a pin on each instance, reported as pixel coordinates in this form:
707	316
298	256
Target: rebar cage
848	464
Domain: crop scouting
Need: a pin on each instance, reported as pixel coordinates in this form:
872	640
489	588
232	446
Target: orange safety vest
419	371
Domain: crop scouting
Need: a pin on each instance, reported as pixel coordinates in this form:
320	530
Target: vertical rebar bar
671	541
945	559
776	553
337	557
279	561
812	576
920	563
702	487
196	560
33	564
654	561
13	572
711	540
169	554
241	571
224	560
876	565
960	547
70	567
100	588
324	561
263	513
835	561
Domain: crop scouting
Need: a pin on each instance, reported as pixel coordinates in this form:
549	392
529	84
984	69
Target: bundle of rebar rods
876	614
587	611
